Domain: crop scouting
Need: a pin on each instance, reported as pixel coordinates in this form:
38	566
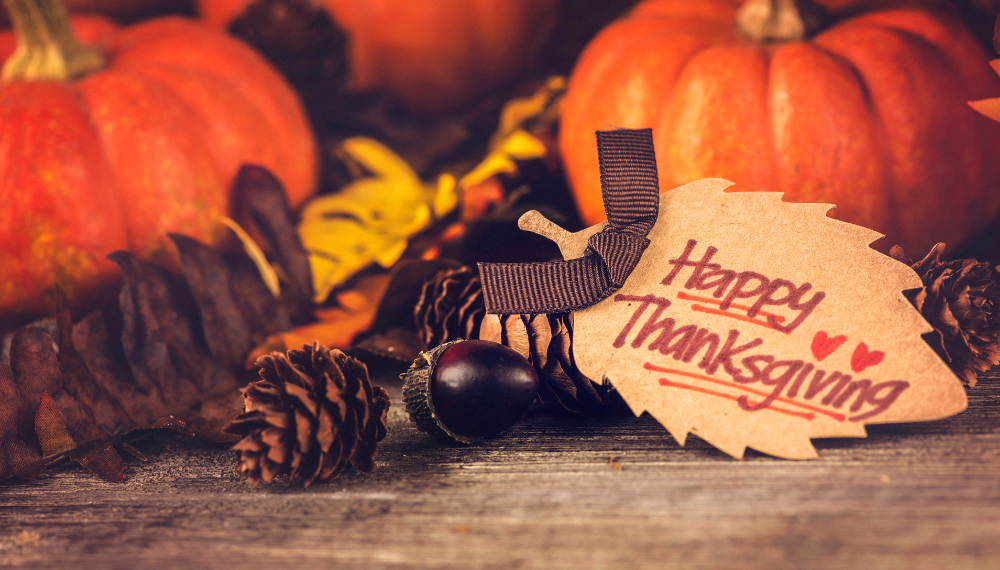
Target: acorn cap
417	395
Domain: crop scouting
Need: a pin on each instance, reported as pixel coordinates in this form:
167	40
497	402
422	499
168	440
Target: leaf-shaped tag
753	322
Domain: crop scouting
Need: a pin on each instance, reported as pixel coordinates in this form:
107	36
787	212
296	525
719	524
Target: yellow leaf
446	197
518	145
371	219
542	105
337	326
515	139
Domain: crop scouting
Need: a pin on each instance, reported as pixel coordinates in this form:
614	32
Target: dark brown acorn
467	390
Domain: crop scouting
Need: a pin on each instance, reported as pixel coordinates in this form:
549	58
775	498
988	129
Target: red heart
862	358
823	345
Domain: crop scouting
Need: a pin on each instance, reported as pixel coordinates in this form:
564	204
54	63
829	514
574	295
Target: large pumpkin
145	141
869	113
434	54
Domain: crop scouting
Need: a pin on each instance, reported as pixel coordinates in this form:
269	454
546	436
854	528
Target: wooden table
554	492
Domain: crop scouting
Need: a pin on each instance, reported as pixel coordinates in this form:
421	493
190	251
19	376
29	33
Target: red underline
711	301
665	382
834	415
764	324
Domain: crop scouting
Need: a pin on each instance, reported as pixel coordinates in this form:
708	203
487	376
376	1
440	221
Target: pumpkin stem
780	20
46	47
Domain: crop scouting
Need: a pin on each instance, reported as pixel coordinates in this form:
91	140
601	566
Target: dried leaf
50	425
159	337
369	220
102	355
989	107
225	328
263	314
19	449
338	326
253	251
396	345
106	410
262	209
36	368
213	415
404	291
102	460
234	315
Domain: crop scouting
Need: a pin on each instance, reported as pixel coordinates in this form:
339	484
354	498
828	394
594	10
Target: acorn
468	390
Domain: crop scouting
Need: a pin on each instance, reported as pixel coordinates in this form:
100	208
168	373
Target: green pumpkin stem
46	47
780	20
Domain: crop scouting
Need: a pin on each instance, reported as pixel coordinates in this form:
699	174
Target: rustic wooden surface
546	495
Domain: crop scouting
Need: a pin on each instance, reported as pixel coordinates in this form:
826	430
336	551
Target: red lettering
685	261
767	378
644	302
894	388
729	350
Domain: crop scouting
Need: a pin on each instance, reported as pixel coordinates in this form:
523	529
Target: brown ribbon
630	191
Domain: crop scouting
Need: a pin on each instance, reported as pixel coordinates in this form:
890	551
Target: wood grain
545	495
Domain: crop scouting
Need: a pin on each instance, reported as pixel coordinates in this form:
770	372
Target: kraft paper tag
753	322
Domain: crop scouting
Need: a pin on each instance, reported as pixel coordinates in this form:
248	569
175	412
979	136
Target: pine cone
960	300
546	341
313	411
450	307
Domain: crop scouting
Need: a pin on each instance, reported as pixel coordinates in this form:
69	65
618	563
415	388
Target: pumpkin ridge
48	172
115	192
256	82
164	178
887	221
229	124
890	223
650	35
767	100
722	118
910	196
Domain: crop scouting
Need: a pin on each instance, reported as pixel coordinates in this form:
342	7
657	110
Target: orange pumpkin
146	140
434	54
869	113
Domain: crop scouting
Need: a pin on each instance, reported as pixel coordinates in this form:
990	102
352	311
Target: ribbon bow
631	197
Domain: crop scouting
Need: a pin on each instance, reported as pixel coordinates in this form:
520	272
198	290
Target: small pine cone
547	341
313	412
960	300
451	307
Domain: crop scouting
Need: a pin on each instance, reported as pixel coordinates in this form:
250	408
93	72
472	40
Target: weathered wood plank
544	496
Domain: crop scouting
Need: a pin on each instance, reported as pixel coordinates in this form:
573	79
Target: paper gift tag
758	323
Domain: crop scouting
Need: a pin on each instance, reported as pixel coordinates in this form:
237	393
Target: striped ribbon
630	191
